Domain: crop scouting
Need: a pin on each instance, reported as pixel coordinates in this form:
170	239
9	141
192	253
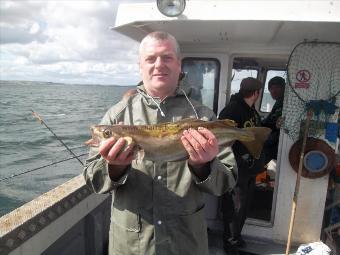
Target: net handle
297	183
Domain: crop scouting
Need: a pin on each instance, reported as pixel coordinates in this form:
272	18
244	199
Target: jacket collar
180	91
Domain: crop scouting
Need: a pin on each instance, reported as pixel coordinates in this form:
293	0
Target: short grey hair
160	36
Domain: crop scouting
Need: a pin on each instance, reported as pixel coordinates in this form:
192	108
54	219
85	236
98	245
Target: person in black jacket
235	204
276	87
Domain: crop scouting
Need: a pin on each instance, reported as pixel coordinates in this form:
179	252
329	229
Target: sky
65	41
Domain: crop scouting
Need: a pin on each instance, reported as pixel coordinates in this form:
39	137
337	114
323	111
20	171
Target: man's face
276	91
160	67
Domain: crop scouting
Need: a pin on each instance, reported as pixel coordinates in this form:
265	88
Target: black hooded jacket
245	116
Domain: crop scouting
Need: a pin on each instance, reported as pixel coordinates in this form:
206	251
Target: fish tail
255	146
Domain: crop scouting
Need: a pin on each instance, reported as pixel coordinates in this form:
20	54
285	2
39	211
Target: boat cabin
225	41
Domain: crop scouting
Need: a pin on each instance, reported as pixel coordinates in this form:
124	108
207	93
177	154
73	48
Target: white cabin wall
310	205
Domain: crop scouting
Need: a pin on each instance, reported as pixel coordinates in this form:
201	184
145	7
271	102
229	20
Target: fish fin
181	124
128	143
128	140
189	120
178	122
228	122
255	146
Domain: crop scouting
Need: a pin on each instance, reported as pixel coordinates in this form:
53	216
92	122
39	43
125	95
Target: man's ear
181	76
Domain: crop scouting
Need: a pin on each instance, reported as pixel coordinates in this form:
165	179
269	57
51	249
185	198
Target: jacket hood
237	98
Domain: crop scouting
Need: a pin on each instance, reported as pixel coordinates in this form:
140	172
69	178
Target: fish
162	142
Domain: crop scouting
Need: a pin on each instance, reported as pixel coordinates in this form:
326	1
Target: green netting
313	74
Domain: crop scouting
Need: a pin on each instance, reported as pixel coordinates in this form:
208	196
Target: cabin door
264	70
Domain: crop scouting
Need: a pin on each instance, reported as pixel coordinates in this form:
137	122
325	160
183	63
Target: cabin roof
271	23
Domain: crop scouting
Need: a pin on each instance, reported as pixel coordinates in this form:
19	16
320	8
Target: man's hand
201	146
116	156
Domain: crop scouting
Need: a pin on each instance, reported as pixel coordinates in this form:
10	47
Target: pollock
162	142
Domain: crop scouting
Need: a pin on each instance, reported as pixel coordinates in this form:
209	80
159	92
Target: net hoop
291	58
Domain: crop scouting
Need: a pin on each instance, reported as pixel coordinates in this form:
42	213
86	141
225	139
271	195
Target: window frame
216	80
265	81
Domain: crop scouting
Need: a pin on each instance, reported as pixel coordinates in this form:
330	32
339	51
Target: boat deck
70	219
253	246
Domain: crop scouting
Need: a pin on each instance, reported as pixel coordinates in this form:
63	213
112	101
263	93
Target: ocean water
25	144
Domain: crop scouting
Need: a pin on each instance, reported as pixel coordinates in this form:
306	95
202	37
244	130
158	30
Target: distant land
20	82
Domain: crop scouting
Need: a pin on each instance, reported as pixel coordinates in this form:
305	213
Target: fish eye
107	133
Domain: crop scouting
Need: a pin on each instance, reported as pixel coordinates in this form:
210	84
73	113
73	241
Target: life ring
319	158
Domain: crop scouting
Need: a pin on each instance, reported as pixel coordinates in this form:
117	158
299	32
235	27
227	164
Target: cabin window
267	101
202	75
238	75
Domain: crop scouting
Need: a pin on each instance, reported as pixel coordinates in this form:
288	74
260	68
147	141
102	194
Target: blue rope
318	106
328	107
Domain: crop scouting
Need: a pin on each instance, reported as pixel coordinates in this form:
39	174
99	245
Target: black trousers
270	147
236	205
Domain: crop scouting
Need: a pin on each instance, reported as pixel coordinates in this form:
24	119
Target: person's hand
201	146
113	151
117	156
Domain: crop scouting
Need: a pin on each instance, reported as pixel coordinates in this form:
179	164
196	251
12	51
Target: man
235	204
276	87
157	207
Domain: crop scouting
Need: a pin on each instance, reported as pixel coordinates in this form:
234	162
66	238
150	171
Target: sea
32	160
27	146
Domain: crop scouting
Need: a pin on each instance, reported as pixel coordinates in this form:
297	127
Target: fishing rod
36	115
40	167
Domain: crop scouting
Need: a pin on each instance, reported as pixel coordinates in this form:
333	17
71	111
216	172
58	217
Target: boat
221	42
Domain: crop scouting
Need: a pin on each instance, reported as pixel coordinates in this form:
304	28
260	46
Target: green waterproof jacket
157	207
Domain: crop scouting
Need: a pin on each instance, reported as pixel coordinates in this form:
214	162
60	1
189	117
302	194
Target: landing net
313	74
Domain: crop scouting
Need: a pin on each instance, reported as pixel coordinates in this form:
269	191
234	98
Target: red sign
303	76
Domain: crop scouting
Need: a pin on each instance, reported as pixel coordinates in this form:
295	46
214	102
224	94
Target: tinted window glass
267	102
238	75
202	75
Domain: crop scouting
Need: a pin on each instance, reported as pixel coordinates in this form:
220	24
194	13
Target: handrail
22	223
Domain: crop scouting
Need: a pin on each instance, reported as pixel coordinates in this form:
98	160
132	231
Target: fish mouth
92	142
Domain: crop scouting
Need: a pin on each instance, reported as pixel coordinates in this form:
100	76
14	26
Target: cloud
65	41
19	22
